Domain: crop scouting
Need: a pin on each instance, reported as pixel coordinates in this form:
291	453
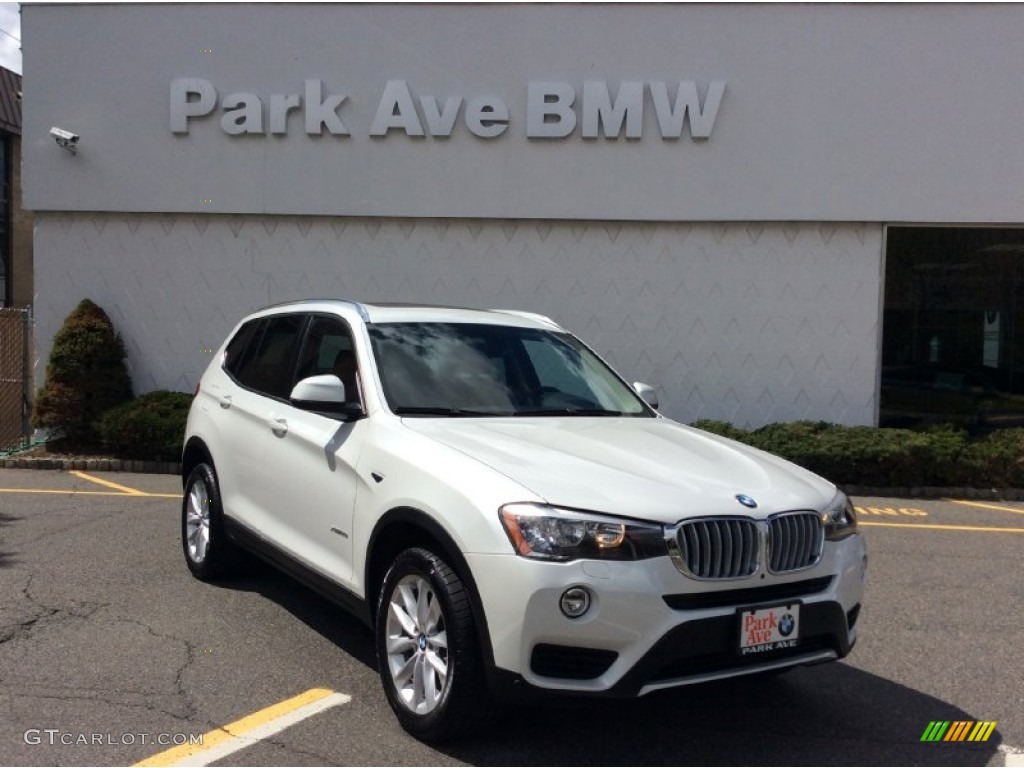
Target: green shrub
151	427
723	428
893	458
997	461
85	377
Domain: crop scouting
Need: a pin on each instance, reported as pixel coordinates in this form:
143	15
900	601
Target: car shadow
312	609
7	559
832	714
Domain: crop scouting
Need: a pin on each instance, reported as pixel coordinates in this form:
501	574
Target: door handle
225	401
278	426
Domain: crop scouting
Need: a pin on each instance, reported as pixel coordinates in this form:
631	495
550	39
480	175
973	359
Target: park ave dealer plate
769	629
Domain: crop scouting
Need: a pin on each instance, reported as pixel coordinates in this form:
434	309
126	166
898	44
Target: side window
242	346
329	349
267	367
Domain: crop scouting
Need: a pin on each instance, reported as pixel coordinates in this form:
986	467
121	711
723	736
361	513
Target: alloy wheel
417	645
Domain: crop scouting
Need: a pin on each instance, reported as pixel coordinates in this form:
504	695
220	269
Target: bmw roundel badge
746	501
786	625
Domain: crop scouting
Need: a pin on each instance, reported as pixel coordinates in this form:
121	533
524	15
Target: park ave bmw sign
553	110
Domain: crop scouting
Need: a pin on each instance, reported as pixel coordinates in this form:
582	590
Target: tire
427	649
208	553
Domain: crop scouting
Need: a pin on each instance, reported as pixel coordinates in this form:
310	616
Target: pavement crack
45	615
180	689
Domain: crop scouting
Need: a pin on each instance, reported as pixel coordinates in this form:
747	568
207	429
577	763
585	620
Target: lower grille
733	597
795	541
726	660
719	548
569	662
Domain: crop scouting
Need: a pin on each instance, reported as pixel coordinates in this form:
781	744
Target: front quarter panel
458	493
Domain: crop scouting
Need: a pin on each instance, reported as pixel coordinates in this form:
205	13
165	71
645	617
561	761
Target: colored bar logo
958	730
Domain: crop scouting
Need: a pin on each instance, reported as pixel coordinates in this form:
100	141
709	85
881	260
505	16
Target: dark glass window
242	346
268	367
328	348
465	369
951	351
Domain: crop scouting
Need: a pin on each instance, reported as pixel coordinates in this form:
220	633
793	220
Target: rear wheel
208	553
427	649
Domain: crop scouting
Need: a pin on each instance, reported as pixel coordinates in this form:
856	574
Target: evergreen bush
86	376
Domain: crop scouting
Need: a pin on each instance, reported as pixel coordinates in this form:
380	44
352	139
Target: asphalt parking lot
110	653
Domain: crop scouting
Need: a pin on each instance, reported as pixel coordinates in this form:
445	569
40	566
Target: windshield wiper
440	410
570	411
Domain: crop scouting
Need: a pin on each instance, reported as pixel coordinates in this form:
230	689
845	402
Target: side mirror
647	393
323	393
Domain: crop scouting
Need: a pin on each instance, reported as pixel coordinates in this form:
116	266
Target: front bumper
649	627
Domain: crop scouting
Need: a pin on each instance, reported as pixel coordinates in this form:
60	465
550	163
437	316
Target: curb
174	468
96	465
930	492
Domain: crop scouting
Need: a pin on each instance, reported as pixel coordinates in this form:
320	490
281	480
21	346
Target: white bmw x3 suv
505	512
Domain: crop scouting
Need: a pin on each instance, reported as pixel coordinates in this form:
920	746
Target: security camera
65	139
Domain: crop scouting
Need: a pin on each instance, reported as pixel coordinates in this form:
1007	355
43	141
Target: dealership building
770	212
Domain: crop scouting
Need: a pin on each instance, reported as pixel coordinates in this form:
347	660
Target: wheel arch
195	453
406	527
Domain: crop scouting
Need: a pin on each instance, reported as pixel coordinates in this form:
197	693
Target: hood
651	469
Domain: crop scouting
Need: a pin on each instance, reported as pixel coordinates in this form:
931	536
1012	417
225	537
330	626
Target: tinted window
468	369
241	347
268	368
952	350
328	349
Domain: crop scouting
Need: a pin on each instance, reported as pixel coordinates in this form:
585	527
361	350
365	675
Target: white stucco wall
748	322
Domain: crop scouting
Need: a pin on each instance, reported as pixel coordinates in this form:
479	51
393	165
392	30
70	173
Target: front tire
427	649
208	553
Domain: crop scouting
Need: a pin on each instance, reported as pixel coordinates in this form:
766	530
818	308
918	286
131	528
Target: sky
10	49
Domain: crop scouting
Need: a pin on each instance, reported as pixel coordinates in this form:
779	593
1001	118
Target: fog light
575	602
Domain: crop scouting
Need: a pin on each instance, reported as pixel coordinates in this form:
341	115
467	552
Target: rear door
258	380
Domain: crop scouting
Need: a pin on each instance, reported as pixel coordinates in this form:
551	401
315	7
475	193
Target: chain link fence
15	384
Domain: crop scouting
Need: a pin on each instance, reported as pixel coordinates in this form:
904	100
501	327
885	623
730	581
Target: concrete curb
174	468
95	465
928	492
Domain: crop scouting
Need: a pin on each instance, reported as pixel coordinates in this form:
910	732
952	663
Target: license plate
769	629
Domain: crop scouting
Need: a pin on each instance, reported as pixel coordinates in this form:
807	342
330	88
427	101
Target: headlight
551	533
839	518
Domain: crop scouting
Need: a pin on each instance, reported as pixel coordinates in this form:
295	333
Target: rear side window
266	365
241	347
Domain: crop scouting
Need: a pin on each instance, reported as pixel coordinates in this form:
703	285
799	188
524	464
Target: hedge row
890	458
150	427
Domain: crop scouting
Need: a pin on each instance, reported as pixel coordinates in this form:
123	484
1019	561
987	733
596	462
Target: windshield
465	369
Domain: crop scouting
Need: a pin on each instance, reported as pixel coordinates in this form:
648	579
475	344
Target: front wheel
427	649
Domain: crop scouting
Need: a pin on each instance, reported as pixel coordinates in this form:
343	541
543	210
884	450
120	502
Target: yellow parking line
937	527
223	741
986	506
93	493
108	483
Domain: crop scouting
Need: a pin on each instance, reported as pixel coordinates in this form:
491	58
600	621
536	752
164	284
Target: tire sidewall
436	725
214	564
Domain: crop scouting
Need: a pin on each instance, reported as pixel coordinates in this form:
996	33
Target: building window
951	349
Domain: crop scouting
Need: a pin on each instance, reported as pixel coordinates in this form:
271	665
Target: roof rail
530	316
358	306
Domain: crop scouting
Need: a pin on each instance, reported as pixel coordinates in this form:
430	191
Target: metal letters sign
554	110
